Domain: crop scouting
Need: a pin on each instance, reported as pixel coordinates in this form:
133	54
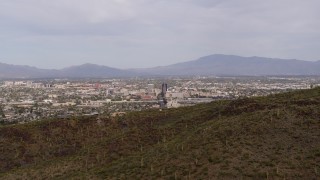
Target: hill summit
220	64
274	137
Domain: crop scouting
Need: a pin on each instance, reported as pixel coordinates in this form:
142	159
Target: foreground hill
273	137
219	64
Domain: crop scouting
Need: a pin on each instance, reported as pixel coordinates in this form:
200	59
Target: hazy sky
145	33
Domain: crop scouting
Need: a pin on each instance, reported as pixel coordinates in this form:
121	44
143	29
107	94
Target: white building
8	83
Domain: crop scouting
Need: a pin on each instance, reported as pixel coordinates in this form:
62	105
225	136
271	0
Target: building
164	88
8	83
150	88
110	92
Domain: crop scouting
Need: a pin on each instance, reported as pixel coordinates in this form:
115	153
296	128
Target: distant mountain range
93	70
81	71
217	64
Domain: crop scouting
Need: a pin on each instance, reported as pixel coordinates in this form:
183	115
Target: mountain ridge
94	70
86	70
216	64
219	64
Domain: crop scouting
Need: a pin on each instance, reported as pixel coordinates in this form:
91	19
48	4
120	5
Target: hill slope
219	64
267	137
18	71
93	70
81	71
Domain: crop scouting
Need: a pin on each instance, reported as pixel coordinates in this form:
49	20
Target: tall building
164	88
162	96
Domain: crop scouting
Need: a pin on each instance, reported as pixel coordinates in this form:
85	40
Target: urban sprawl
29	100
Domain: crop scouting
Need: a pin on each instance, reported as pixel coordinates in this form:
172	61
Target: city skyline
148	33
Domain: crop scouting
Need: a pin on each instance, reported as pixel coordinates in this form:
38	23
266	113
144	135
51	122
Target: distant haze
217	64
148	33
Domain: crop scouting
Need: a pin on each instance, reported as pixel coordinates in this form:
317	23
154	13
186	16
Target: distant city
31	100
171	89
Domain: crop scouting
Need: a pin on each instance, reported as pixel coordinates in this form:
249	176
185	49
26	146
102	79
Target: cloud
155	32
